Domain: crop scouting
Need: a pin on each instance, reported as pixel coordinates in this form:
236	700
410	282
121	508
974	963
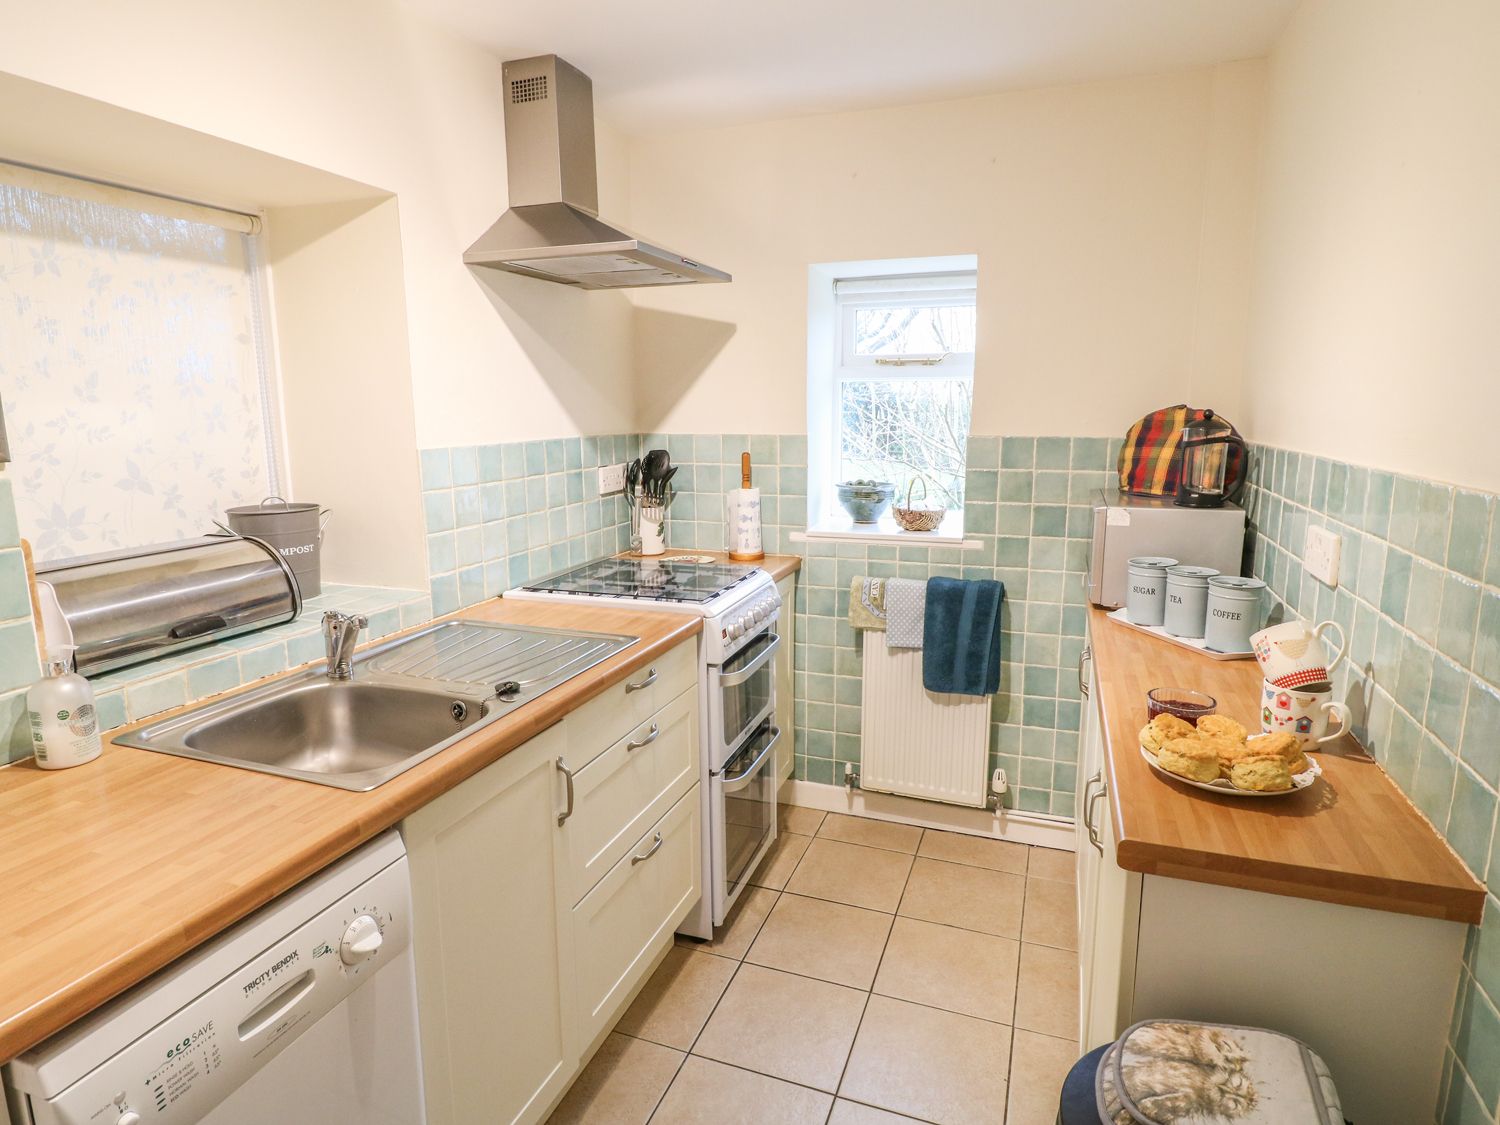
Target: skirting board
1018	828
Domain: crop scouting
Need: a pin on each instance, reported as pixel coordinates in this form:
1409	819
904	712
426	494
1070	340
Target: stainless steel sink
408	700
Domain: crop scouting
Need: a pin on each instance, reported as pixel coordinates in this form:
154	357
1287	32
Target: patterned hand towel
867	603
905	612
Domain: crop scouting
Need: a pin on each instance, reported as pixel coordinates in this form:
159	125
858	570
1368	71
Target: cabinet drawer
617	928
627	788
606	718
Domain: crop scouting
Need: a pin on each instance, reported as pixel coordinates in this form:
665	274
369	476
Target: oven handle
739	676
734	783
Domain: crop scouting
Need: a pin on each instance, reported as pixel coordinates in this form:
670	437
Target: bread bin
129	606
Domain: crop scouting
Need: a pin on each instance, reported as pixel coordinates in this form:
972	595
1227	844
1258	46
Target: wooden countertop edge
377	810
1461	900
1293	881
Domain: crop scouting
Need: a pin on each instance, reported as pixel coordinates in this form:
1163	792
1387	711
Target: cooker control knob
361	940
734	630
747	622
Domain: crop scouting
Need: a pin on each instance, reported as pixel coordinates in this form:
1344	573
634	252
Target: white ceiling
667	64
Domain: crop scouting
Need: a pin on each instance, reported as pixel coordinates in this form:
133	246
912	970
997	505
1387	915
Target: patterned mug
1302	712
1292	655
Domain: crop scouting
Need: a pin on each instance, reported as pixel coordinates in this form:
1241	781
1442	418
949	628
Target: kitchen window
135	364
896	399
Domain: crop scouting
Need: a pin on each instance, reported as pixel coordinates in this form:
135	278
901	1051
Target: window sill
950	533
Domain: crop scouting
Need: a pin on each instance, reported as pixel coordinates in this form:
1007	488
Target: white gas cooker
738	602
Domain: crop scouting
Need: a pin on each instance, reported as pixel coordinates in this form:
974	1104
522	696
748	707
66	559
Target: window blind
134	363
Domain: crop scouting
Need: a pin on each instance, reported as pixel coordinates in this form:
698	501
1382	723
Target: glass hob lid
663	579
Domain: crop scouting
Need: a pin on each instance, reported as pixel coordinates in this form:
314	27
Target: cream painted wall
368	91
1113	223
1375	335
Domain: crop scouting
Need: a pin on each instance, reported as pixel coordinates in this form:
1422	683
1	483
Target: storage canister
1234	612
1187	600
294	531
1146	589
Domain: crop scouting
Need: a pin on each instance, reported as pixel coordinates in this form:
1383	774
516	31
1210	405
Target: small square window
894	401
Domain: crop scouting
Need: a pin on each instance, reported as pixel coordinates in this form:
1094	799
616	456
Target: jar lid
1234	582
1152	562
271	506
1199	574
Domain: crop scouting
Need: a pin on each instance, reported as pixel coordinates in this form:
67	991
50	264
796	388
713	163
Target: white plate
1299	780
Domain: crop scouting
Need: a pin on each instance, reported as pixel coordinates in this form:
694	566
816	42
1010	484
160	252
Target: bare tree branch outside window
905	429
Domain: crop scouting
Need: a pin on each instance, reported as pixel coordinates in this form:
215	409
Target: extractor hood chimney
553	230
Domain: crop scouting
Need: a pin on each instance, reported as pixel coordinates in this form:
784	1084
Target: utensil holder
653	530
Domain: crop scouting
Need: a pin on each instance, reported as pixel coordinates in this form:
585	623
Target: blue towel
962	626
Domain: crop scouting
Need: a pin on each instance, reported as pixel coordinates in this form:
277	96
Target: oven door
744	815
742	695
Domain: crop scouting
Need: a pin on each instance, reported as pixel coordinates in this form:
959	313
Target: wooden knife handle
744	470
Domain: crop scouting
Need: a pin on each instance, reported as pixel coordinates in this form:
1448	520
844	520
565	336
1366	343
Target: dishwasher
304	1012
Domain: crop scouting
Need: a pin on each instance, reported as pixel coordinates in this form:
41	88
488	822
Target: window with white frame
901	387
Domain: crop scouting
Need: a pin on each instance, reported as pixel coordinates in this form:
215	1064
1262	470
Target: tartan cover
1148	459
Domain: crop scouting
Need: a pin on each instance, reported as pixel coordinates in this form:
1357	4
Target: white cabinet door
494	972
627	919
786	624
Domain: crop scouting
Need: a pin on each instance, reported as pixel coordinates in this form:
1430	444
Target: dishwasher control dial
127	1116
361	939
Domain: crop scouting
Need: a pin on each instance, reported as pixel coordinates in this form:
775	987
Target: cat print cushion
1181	1073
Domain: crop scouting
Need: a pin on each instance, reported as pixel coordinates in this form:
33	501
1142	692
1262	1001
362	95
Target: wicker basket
917	519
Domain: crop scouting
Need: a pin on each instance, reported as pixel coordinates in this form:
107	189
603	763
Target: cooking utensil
632	479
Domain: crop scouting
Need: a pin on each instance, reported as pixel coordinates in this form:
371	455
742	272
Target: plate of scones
1219	755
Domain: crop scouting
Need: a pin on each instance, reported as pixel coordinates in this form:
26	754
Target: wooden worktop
1352	837
110	871
779	566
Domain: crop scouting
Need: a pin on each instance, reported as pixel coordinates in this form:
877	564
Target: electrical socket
1320	555
611	478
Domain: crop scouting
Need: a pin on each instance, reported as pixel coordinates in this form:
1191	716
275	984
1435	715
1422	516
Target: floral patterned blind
133	367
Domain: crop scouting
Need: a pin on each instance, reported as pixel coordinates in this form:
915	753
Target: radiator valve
999	783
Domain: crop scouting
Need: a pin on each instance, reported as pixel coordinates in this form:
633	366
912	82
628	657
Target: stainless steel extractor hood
553	230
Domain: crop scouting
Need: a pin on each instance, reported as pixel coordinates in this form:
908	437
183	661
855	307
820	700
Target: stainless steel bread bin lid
129	606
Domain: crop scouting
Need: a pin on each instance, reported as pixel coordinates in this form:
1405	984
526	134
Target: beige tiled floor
874	974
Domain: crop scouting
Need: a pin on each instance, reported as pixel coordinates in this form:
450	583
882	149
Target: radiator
919	743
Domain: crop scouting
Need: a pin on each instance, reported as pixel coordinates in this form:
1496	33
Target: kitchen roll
742	509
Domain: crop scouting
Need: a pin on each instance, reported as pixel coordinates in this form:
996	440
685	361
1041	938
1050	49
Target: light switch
1320	556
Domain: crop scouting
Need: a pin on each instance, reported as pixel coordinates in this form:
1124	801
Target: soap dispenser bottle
64	722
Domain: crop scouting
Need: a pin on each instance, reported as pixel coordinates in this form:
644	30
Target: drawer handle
1088	814
648	853
562	768
636	744
1083	683
643	685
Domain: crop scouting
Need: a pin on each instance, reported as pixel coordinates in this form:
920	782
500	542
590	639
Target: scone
1222	725
1262	773
1162	729
1280	745
1229	750
1192	758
